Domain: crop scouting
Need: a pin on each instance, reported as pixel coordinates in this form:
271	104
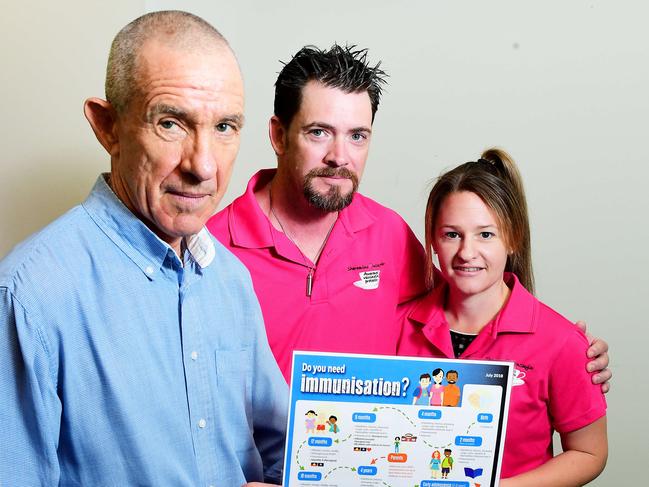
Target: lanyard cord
312	268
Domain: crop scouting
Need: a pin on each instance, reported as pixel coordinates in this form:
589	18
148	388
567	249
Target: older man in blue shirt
132	347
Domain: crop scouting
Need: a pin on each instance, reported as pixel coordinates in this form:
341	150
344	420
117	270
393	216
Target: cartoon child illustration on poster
447	463
397	442
436	464
309	422
451	391
421	394
437	389
333	426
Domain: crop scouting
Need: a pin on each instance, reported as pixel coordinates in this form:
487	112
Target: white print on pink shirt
518	378
368	279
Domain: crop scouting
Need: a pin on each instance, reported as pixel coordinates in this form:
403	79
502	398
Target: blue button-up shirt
120	366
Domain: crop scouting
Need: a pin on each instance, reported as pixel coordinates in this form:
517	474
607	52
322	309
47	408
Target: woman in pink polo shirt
484	308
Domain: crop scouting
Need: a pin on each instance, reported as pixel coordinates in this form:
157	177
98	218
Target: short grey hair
176	28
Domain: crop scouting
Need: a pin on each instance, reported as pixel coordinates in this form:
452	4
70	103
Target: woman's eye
451	235
486	235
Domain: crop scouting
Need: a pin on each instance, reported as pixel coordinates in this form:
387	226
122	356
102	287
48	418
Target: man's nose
200	157
338	154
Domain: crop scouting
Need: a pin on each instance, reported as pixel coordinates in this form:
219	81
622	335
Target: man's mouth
188	199
188	195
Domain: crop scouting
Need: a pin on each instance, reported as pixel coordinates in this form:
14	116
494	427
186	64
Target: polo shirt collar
250	227
356	216
428	312
134	238
519	314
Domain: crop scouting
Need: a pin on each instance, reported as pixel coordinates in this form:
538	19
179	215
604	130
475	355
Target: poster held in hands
373	420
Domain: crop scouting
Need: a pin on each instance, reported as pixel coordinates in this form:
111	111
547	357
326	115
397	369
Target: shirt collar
134	238
518	315
250	227
201	247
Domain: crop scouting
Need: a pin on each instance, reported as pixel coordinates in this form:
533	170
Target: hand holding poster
364	420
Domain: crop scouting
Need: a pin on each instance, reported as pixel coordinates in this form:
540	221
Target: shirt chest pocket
234	389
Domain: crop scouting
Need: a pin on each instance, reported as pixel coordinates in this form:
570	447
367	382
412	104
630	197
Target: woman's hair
496	180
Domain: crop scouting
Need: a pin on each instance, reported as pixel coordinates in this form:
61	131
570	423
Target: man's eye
223	127
168	124
317	132
358	137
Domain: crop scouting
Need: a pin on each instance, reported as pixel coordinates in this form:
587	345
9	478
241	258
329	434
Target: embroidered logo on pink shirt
519	375
368	279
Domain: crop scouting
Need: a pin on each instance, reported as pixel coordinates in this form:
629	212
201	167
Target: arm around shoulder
598	353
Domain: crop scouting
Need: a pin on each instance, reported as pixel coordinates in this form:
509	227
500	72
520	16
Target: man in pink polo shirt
328	264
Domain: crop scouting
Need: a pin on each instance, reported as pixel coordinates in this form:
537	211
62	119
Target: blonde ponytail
495	178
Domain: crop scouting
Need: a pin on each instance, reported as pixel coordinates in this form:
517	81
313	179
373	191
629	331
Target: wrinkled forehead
159	60
196	81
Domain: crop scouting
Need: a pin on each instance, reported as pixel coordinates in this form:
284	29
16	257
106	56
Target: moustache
341	172
328	172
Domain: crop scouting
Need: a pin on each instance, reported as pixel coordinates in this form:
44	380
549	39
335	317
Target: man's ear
277	134
103	119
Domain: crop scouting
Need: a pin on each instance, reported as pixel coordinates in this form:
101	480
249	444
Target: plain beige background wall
561	85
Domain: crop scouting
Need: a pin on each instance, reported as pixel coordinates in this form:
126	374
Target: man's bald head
176	29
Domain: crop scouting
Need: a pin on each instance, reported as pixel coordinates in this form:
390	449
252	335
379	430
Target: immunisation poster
379	421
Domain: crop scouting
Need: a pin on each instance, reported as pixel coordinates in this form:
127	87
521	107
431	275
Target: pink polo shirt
371	262
552	390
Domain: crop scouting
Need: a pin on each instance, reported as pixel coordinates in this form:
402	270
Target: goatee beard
334	199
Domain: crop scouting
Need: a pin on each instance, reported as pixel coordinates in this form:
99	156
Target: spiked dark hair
346	68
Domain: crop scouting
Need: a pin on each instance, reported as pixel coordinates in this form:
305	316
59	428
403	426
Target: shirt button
148	270
202	423
194	355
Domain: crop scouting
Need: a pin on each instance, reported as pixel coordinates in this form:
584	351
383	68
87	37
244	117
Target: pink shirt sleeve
574	401
413	267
